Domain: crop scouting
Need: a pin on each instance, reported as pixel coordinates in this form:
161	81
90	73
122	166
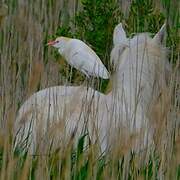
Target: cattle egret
80	56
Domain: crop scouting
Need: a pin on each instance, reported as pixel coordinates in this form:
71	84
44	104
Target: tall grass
27	66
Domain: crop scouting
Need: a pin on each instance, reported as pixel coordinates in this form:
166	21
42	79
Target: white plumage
80	56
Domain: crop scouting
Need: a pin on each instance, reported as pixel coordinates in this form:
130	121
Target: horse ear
160	35
119	35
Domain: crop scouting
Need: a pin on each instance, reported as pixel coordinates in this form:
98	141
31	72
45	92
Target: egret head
59	42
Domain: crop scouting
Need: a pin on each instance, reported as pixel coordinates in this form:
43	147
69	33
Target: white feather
82	57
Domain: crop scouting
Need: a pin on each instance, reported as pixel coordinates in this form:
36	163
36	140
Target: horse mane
141	42
139	38
154	47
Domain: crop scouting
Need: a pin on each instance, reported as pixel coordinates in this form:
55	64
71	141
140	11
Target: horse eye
57	41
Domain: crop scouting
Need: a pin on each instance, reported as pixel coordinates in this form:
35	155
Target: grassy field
27	65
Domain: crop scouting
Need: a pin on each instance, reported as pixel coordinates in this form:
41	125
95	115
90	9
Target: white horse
56	116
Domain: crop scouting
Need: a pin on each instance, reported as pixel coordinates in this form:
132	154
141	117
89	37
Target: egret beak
51	43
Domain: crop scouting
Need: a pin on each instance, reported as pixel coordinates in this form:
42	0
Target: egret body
80	56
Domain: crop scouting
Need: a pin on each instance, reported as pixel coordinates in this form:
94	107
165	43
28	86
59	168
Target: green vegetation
95	23
143	17
27	65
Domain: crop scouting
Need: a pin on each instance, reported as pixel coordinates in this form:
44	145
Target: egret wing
88	62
